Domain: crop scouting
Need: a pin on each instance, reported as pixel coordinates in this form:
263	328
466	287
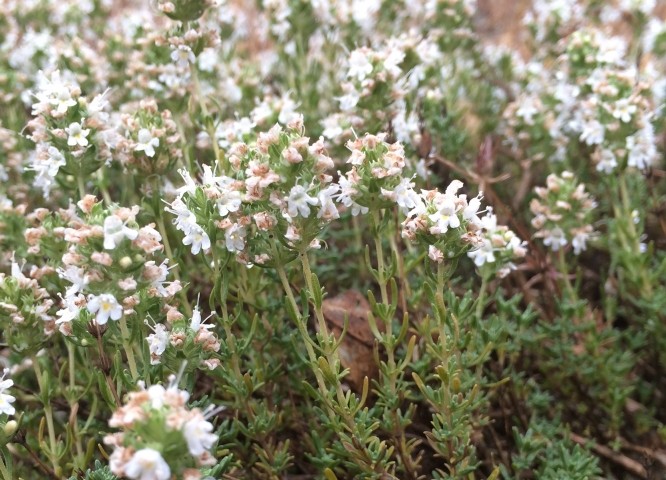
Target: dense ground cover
343	239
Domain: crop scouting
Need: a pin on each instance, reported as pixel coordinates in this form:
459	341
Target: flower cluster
562	212
375	179
151	143
278	189
193	340
499	246
110	266
71	133
593	105
26	309
444	222
160	438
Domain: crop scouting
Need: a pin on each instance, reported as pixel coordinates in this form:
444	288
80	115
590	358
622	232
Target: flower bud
10	427
183	10
125	262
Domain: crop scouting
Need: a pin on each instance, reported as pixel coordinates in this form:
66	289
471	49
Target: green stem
381	270
307	273
102	187
481	298
302	330
48	414
74	405
3	470
82	185
128	348
564	273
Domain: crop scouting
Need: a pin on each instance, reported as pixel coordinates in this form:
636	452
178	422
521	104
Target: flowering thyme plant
315	239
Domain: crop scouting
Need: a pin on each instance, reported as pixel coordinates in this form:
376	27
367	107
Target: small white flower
62	100
229	201
555	239
327	209
70	311
446	215
5	398
607	161
198	436
182	56
484	254
115	231
197	238
76	276
349	100
299	202
234	237
579	242
359	65
403	194
147	464
105	306
157	343
77	134
593	133
146	142
641	147
435	254
623	110
529	108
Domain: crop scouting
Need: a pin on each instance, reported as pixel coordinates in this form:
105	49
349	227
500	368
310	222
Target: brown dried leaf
356	349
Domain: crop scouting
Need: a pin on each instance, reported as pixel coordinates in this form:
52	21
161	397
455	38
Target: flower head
77	135
147	464
105	306
146	142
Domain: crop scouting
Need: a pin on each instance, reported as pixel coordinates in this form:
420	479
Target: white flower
234	238
593	133
77	134
349	100
435	254
70	310
97	105
299	202
229	201
197	238
579	242
62	100
446	215
115	231
403	194
147	464
327	209
529	107
6	399
470	212
624	110
359	65
76	276
641	147
105	306
197	435
46	164
146	142
484	254
157	343
555	239
607	161
182	56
